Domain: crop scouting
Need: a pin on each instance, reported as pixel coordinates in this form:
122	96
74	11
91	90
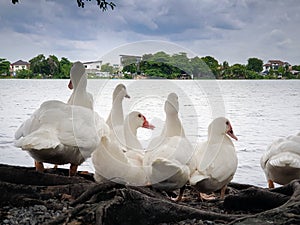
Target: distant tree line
50	67
158	65
40	67
167	66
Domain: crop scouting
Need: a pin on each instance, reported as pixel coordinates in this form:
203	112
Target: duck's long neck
80	85
130	133
173	126
116	115
79	92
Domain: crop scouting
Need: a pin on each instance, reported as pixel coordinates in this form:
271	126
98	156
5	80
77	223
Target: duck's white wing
39	131
285	159
289	146
27	126
168	174
109	161
218	161
45	138
176	147
38	118
168	166
84	128
206	154
58	123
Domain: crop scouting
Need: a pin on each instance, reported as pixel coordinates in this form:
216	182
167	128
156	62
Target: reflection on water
260	111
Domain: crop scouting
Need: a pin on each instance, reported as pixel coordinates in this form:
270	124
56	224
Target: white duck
216	160
78	82
116	115
79	96
110	160
281	161
60	133
167	156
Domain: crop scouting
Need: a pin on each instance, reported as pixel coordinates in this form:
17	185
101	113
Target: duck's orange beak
230	133
147	125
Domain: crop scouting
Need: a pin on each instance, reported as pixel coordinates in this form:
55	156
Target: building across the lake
129	59
19	65
93	67
275	64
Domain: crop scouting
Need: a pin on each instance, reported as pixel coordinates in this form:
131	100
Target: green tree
39	65
281	71
199	67
236	71
213	65
160	57
147	57
65	66
107	68
296	67
182	62
4	67
225	65
163	65
53	66
249	74
255	64
159	69
24	74
130	68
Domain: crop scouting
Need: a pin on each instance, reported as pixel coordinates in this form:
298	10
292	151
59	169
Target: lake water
260	111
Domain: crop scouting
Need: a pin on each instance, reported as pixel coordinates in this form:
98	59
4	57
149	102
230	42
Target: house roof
20	62
267	64
278	62
137	56
93	62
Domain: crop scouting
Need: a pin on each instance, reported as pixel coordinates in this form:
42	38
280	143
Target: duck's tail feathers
24	129
39	139
286	159
19	132
197	177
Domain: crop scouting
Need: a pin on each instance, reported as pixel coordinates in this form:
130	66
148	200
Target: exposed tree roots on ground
79	200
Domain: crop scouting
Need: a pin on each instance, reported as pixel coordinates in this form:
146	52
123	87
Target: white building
93	67
275	64
19	65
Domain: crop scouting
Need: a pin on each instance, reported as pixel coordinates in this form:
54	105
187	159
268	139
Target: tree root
112	203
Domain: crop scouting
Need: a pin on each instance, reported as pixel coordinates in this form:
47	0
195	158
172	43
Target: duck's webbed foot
39	166
73	170
203	196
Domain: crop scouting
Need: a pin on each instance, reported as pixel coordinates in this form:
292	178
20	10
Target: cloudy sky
229	30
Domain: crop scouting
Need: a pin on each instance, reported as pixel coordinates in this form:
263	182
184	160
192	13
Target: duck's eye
227	122
139	115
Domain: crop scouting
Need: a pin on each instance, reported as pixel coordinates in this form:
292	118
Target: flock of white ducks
62	133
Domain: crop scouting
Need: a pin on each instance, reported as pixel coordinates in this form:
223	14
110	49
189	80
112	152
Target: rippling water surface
260	111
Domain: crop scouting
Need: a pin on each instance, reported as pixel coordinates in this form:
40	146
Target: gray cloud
231	30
